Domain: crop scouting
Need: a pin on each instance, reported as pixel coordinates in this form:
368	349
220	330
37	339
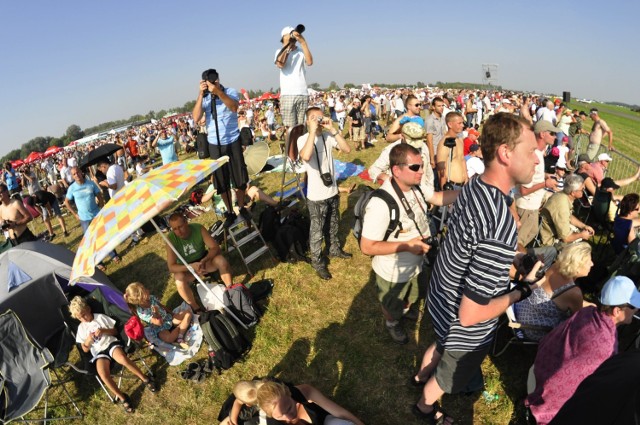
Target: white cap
285	31
604	157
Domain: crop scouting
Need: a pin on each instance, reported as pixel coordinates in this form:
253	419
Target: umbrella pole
200	282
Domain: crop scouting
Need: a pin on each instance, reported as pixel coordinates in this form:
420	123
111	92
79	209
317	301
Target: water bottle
489	397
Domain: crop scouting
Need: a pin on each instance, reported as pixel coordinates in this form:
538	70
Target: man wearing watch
315	150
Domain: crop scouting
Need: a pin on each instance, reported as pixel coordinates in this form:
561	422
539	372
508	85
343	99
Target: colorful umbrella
52	150
134	205
33	157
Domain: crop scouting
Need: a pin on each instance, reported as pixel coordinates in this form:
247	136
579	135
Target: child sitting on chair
97	334
163	323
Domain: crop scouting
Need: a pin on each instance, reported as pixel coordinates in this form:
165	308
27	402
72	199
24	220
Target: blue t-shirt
227	120
167	150
11	179
417	119
84	195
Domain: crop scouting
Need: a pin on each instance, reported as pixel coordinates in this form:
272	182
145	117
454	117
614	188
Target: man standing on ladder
292	61
224	139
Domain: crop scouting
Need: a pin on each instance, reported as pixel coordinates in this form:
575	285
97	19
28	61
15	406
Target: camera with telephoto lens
528	262
299	29
210	75
326	179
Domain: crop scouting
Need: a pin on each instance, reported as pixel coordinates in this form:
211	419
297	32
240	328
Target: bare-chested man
458	175
15	217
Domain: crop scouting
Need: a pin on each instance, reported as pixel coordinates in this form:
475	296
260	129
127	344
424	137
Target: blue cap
620	290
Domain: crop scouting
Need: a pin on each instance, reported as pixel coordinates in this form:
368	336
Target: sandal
151	384
431	416
101	267
116	259
125	402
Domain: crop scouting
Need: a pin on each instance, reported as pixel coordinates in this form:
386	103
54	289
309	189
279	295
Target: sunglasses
419	105
413	167
553	133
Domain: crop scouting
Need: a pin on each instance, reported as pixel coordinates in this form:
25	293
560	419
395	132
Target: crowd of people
499	171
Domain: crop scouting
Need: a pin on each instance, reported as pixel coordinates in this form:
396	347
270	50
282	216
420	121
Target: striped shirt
474	260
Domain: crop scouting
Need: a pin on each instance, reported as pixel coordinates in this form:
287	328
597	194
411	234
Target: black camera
5	226
432	241
450	142
299	29
448	186
210	75
326	179
528	262
430	257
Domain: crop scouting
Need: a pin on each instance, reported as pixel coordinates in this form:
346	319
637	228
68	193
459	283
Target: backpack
239	300
361	205
269	223
292	238
226	344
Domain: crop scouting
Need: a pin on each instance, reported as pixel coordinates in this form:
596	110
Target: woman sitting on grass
241	408
96	334
162	323
301	404
558	296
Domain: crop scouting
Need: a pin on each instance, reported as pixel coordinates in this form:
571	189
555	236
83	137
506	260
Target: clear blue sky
87	62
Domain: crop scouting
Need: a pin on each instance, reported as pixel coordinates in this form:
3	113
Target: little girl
97	334
242	406
163	323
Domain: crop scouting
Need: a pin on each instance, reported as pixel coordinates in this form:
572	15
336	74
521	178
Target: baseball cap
593	111
413	134
506	101
474	147
544	125
285	31
604	157
620	290
473	131
583	158
608	183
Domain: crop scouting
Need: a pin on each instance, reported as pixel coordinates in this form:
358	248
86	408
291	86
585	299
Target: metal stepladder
291	188
247	240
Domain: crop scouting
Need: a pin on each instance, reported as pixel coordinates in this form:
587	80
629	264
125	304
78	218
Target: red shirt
132	146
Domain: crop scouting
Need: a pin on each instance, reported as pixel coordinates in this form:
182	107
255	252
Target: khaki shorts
358	133
396	296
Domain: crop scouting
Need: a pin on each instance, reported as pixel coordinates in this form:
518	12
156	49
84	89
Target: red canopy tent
17	163
33	157
52	150
268	96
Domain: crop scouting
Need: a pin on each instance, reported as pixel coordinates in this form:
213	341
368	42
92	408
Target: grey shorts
293	109
456	368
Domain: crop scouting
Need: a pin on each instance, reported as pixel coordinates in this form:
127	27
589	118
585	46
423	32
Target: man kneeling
192	241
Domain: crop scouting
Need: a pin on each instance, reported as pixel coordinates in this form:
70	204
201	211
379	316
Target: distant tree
420	84
161	113
315	86
14	154
57	142
74	132
188	106
151	114
333	86
349	86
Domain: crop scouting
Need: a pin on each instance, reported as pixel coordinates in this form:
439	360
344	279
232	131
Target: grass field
326	333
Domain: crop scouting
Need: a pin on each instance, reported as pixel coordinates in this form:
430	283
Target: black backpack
226	343
269	223
292	238
239	300
361	205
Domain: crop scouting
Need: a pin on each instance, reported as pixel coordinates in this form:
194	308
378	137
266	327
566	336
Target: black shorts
26	236
233	171
456	368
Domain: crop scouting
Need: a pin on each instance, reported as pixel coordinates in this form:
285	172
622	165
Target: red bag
134	329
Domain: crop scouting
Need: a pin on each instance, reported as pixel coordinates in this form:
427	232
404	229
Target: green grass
326	333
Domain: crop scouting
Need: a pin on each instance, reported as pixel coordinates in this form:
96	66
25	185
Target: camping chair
518	336
99	304
583	204
24	375
600	206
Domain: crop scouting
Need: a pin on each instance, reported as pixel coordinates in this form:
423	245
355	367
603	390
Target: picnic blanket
173	354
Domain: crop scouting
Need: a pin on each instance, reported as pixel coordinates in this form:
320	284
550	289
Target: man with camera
469	287
315	150
398	258
292	61
219	105
14	216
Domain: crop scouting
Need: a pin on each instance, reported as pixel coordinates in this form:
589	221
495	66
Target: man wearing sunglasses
414	108
398	257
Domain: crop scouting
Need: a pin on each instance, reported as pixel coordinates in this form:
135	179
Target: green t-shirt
193	248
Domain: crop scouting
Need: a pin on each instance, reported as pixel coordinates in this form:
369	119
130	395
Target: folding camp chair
518	337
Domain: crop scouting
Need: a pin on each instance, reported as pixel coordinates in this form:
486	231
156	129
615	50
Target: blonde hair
247	391
134	293
269	394
77	305
572	258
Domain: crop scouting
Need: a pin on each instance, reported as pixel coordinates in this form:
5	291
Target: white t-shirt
381	165
316	190
87	328
72	161
402	266
475	166
562	159
341	110
533	201
115	175
293	79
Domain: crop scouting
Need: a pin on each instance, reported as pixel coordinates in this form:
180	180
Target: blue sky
87	62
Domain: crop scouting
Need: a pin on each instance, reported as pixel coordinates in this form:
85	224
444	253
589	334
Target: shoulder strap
394	212
563	289
405	204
